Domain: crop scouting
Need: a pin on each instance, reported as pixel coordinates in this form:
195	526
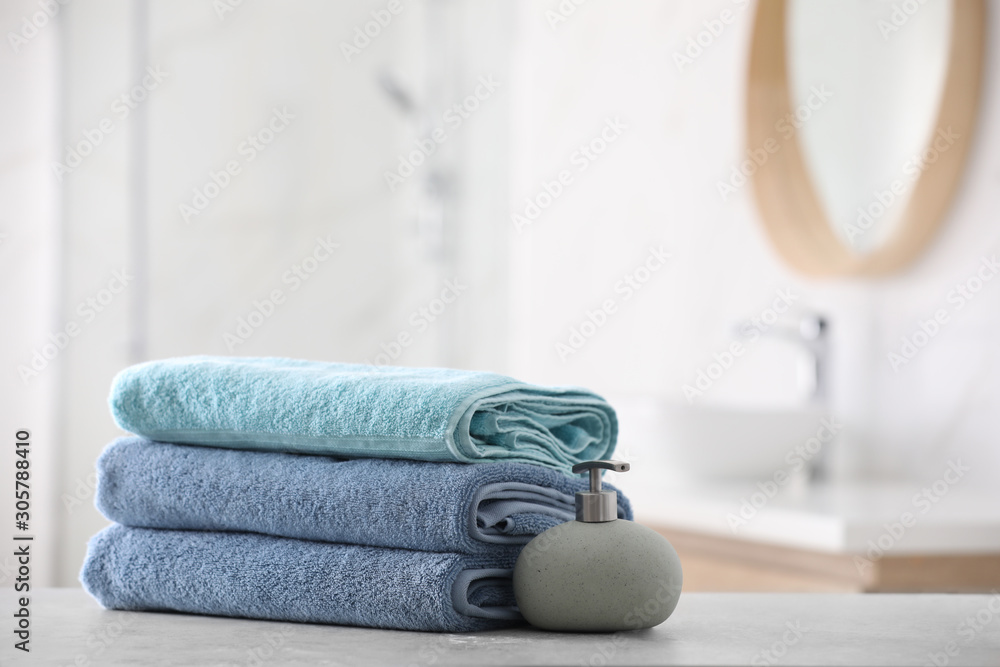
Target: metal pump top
597	505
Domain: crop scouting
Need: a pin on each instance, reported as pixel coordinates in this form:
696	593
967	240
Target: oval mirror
859	118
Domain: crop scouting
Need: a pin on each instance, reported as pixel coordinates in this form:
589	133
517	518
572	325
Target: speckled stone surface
597	577
843	630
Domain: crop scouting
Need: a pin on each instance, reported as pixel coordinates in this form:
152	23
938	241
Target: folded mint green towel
359	411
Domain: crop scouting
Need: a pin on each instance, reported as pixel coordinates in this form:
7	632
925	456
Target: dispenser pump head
596	505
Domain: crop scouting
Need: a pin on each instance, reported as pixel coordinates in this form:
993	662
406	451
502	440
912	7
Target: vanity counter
70	628
939	517
939	536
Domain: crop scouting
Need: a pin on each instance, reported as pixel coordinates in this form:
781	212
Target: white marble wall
607	70
657	184
209	81
30	271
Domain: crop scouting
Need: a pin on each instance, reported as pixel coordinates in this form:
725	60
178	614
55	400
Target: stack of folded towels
334	493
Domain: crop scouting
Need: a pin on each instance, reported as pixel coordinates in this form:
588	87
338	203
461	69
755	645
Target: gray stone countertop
70	628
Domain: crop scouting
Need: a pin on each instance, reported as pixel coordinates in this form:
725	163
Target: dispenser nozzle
597	505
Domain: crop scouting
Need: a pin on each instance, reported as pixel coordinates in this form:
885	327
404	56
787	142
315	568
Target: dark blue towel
443	507
259	576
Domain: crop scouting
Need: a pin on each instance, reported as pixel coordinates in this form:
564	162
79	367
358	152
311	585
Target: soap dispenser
598	573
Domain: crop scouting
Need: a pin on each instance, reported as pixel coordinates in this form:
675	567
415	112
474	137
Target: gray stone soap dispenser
598	573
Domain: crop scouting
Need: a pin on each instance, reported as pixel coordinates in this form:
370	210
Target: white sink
716	443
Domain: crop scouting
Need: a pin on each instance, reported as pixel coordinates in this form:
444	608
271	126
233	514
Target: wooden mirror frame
789	206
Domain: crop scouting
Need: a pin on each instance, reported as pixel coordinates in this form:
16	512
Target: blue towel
377	502
259	576
358	411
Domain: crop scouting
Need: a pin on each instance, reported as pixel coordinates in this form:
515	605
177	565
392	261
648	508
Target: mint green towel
359	411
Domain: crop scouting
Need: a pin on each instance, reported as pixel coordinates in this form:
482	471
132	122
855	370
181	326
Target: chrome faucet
812	331
813	334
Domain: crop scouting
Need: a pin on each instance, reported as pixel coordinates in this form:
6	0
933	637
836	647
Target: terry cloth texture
444	507
259	576
359	411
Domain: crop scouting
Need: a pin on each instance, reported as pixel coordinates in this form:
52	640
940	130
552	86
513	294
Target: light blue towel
379	502
259	576
355	411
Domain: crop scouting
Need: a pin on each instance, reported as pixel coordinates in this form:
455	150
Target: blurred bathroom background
542	188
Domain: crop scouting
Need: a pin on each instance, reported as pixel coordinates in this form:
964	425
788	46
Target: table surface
69	628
